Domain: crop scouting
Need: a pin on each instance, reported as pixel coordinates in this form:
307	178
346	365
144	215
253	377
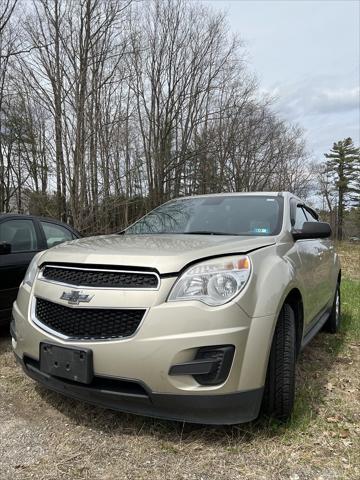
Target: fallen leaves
335	419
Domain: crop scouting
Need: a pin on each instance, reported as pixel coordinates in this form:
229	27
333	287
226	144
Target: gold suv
196	312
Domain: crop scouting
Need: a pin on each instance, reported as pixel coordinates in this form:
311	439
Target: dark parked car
21	237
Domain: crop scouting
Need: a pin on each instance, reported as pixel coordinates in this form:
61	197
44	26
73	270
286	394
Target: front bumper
223	409
170	334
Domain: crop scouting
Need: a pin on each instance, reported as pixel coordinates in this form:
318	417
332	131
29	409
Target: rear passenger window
20	234
55	234
300	218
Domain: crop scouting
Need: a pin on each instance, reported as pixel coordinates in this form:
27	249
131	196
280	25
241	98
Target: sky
306	53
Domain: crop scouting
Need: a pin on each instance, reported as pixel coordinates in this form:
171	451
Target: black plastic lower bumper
223	409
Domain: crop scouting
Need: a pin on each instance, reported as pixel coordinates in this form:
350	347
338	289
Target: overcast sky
307	53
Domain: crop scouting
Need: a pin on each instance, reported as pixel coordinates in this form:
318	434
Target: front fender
273	277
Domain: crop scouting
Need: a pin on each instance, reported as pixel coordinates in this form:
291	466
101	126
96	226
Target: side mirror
5	248
312	230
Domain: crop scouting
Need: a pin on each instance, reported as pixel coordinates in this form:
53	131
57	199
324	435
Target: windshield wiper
207	232
195	232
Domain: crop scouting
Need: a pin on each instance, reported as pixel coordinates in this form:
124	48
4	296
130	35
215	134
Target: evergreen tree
343	164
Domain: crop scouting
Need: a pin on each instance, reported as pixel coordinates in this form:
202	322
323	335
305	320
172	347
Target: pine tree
343	164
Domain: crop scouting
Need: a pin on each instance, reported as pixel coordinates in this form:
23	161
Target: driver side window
20	234
310	216
300	218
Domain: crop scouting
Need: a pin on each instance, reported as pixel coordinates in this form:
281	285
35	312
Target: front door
314	271
21	234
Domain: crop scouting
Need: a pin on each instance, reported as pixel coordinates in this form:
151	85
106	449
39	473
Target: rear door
24	237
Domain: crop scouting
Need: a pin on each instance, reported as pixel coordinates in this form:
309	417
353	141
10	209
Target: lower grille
88	323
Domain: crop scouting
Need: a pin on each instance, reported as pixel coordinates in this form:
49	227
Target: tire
279	393
332	324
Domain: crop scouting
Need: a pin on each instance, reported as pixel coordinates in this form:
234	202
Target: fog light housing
222	357
211	366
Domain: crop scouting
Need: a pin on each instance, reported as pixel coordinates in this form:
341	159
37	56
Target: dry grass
350	259
46	436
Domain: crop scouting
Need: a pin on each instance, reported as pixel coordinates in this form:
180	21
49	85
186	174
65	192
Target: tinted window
300	218
227	215
20	234
55	234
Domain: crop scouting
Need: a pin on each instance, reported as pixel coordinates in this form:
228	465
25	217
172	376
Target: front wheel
279	390
332	324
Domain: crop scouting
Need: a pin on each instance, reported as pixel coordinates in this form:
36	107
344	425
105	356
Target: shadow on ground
4	331
5	340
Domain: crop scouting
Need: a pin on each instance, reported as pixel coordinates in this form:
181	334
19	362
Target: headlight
32	269
214	282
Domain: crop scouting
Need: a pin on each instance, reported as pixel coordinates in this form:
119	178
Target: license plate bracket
74	364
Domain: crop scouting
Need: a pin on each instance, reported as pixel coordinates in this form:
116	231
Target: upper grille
101	278
88	323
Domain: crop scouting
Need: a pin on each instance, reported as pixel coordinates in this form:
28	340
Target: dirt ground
46	436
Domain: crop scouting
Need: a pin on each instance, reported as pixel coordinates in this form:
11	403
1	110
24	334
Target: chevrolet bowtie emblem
74	297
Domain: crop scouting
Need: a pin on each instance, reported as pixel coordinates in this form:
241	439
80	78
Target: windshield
217	215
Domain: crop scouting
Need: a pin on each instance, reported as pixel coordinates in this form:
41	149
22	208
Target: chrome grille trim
92	269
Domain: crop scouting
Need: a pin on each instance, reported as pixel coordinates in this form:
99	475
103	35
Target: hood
165	253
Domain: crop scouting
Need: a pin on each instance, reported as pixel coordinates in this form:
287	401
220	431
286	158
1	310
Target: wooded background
109	108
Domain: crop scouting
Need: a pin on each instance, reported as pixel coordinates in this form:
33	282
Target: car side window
55	234
310	216
300	218
21	235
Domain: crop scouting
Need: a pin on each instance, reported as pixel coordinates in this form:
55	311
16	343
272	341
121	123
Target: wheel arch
295	300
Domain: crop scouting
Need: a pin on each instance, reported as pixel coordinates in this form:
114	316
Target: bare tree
8	44
117	106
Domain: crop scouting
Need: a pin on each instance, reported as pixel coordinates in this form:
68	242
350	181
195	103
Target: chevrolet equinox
196	312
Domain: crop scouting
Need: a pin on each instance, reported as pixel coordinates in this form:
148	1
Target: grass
350	259
333	348
46	436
